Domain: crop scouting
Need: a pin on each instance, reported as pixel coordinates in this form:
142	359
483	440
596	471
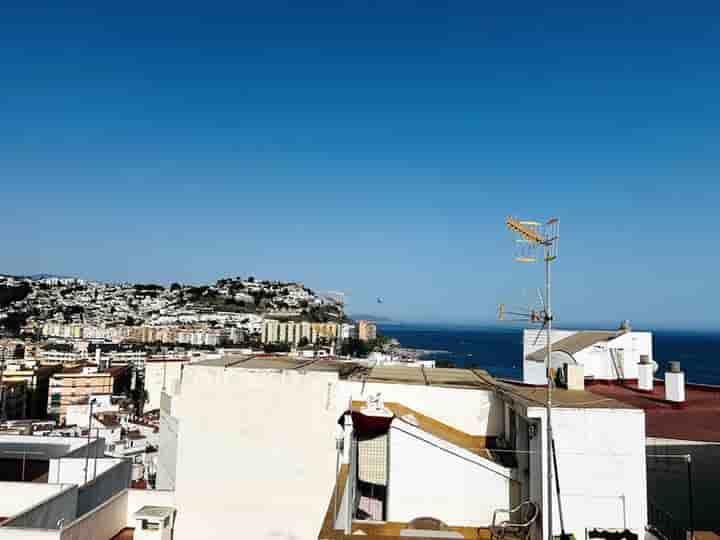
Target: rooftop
576	342
694	420
535	396
359	371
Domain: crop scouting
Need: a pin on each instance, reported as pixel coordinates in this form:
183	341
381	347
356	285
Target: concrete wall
430	477
103	523
72	470
167	451
601	464
104	486
28	534
48	513
97	449
477	412
256	453
16	497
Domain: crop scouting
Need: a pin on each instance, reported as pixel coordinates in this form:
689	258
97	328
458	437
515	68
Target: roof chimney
645	373
674	383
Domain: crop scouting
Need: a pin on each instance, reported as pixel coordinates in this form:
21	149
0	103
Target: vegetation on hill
8	295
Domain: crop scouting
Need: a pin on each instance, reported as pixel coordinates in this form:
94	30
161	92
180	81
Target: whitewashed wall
596	359
256	453
72	470
430	477
20	533
48	513
477	412
167	451
601	464
154	380
16	497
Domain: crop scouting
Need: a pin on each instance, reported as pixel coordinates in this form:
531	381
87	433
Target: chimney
674	383
645	373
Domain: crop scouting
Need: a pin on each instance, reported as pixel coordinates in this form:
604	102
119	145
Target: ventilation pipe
674	383
645	373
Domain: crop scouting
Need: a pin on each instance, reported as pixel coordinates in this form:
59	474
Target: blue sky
372	147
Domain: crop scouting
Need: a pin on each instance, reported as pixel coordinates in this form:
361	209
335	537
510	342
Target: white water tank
645	373
674	383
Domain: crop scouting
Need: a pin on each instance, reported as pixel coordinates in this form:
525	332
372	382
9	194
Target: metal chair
526	514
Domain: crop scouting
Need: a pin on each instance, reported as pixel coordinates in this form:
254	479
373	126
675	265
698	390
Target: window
150	525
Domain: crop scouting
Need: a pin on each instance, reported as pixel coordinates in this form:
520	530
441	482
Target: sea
499	350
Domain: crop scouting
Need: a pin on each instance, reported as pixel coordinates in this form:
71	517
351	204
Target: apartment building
275	331
367	330
76	388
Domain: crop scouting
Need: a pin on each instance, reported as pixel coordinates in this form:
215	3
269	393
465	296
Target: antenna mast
534	235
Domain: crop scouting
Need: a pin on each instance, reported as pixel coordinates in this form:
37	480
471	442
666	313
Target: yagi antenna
534	239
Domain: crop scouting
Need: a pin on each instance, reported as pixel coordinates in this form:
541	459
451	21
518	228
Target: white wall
16	497
476	412
256	453
534	372
601	464
596	359
154	380
167	451
48	513
533	340
28	534
72	470
430	477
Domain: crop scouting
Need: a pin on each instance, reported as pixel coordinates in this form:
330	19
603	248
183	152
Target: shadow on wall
668	483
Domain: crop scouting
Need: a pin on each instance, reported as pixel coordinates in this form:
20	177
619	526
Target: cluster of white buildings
277	446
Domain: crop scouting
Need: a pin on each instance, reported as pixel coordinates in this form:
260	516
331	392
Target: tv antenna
534	241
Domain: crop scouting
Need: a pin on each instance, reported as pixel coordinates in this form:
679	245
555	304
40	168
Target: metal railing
665	524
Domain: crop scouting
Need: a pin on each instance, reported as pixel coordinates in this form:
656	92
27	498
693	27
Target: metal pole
87	450
690	497
549	433
23	465
557	490
97	437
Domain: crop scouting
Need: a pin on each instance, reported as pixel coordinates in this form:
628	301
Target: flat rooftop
695	420
359	371
535	396
474	379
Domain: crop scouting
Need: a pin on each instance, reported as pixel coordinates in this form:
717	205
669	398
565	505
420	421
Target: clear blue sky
373	147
